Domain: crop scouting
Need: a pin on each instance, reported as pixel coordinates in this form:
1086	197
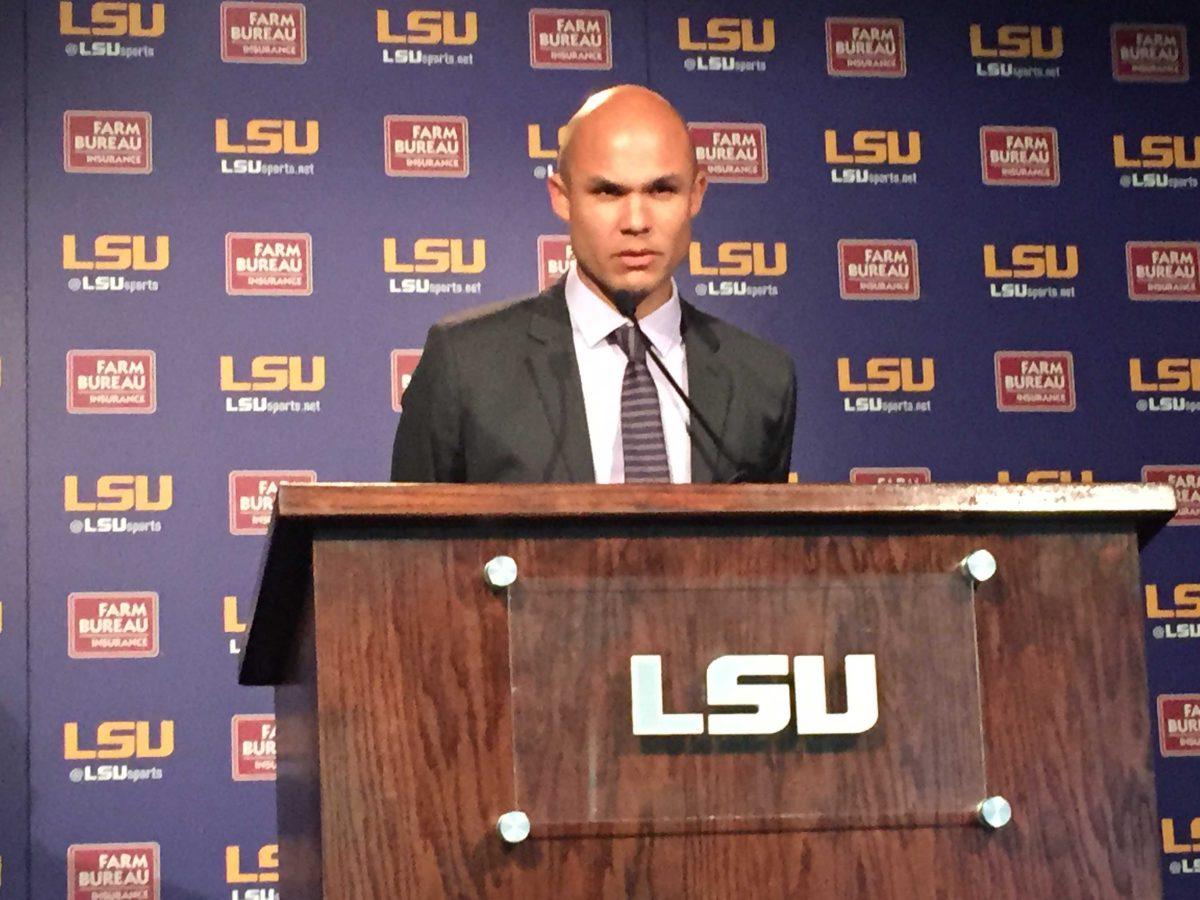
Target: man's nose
635	218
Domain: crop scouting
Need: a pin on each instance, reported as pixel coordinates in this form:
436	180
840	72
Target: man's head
628	186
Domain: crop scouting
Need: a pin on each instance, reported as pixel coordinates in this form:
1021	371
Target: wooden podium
416	704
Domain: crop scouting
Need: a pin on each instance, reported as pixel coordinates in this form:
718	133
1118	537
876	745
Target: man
559	387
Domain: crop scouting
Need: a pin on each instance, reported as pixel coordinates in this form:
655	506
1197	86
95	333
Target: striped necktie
643	445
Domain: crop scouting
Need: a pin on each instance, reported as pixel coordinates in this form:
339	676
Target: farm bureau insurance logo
268	264
434	256
878	269
865	47
253	747
1179	724
242	147
1019	155
109	494
1031	271
554	258
424	29
895	475
263	32
570	39
1160	153
1035	380
404	363
252	496
1163	270
886	375
731	152
105	19
742	267
113	253
1016	44
426	146
272	384
112	624
1178	602
721	39
105	750
872	148
108	871
111	382
1149	52
107	142
1169	381
1185	480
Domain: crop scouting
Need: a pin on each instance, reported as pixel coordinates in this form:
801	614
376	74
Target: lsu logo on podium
1185	481
252	496
1019	155
878	269
268	264
404	363
865	47
1179	724
428	27
1009	270
731	152
253	747
892	475
112	625
1163	270
111	382
426	146
1149	52
1035	380
104	871
263	870
104	18
107	142
117	253
554	258
570	39
120	740
253	32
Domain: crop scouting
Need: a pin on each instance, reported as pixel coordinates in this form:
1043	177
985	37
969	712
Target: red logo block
1019	155
1035	381
909	475
253	748
105	141
1185	480
1163	270
111	381
731	152
105	871
252	497
1179	724
570	39
263	32
1149	52
404	363
426	146
554	258
112	625
878	269
268	264
865	47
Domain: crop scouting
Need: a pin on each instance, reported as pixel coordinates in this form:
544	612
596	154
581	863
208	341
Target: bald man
561	387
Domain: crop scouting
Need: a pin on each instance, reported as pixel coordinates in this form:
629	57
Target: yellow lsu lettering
1032	261
1018	42
437	256
1185	602
229	615
119	493
1171	842
534	141
271	136
885	375
268	865
739	258
1169	375
1048	476
274	373
728	36
108	19
874	147
121	740
428	26
116	252
1158	151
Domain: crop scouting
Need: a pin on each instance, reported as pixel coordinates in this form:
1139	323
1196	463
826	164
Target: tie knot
630	341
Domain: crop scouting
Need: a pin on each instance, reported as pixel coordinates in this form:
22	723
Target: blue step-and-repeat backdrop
975	227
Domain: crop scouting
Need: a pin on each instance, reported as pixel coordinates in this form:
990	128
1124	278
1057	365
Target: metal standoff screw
500	572
978	565
513	825
994	812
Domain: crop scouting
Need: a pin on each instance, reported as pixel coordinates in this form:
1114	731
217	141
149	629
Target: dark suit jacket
497	398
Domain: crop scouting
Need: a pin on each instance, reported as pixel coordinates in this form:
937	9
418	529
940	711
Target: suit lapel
555	371
710	391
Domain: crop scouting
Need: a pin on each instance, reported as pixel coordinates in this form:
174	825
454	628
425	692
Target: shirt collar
595	320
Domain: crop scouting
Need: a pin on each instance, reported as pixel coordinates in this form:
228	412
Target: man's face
629	194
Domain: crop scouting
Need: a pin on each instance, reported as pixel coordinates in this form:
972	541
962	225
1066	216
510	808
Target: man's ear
696	198
560	200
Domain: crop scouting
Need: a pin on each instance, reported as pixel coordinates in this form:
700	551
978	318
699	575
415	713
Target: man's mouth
637	259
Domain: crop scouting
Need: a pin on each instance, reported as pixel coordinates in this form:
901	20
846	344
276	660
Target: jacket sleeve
428	445
781	460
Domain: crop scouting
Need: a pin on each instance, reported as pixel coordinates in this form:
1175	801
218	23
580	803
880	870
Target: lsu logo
1188	843
1158	151
554	258
1185	480
252	497
254	32
269	374
1019	155
1027	261
1035	380
117	253
404	363
109	19
870	475
265	871
570	39
1163	270
874	148
111	381
120	740
268	264
253	743
887	375
269	137
731	152
1149	52
112	625
1180	602
427	27
1017	42
426	146
1179	724
107	142
119	493
878	270
102	871
1169	374
537	150
439	256
865	47
728	36
739	259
